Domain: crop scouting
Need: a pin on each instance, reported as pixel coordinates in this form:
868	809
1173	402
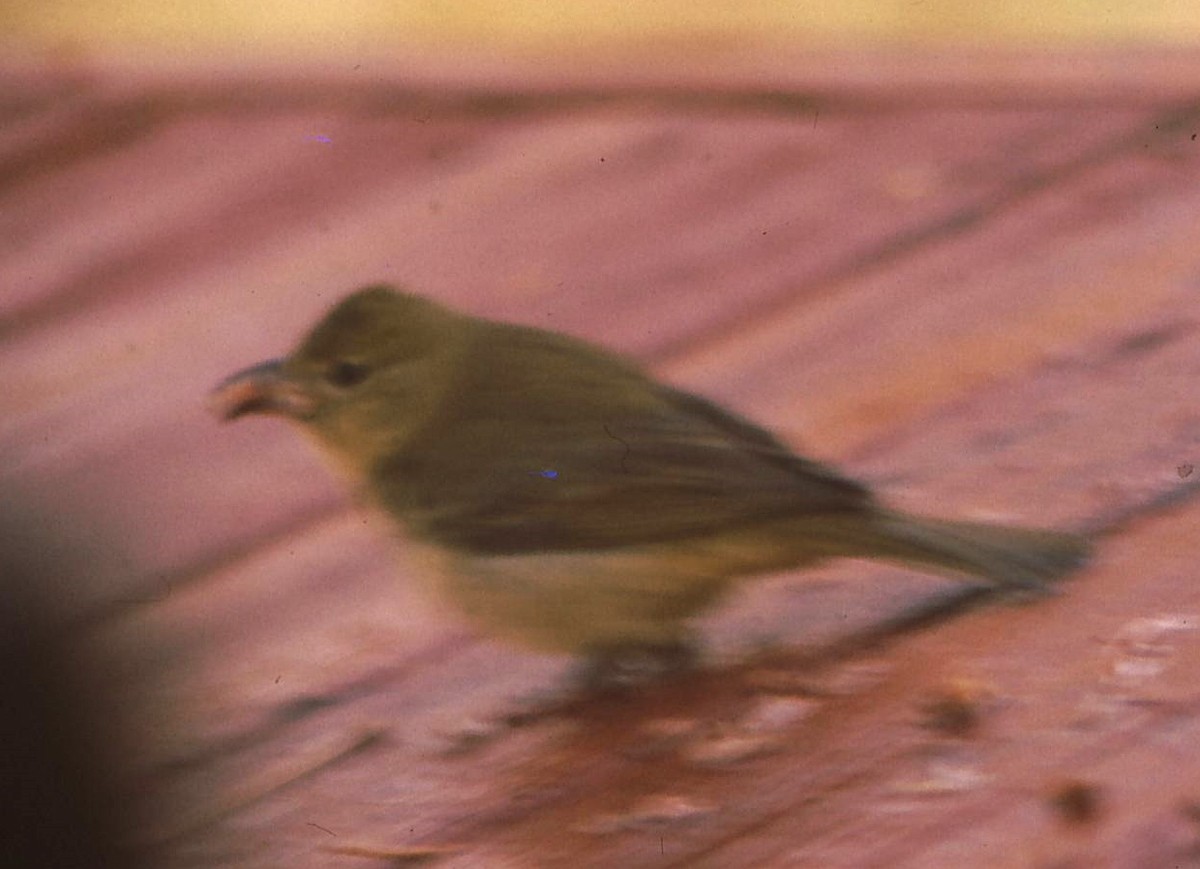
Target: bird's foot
620	667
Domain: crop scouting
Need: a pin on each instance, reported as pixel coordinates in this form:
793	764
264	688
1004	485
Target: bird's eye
345	374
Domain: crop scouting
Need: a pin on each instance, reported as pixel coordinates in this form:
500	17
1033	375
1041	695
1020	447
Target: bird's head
365	379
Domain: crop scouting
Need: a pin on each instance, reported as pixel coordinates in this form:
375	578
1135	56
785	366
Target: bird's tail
1024	558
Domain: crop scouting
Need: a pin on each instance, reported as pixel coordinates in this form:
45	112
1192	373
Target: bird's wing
683	468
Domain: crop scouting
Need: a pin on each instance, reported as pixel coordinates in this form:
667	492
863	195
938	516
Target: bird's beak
263	388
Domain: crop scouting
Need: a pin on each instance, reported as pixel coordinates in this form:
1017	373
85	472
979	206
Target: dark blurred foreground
62	805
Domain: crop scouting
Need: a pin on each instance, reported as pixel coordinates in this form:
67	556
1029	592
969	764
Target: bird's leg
602	670
623	666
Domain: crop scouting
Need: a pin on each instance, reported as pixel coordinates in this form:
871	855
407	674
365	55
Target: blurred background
311	29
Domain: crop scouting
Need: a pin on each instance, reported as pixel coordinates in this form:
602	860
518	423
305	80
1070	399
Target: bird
573	503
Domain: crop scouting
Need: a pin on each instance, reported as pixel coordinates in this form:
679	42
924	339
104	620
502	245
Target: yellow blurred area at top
288	27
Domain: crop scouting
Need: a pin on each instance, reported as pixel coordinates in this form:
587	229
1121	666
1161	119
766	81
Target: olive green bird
574	503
